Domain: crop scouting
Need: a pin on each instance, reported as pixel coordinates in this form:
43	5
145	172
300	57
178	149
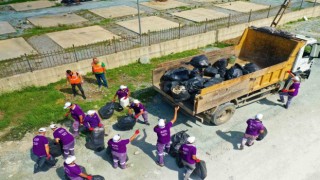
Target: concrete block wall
54	74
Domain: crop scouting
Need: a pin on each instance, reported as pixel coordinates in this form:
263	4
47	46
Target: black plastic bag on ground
201	170
106	111
212	82
234	72
194	84
179	161
97	177
179	93
180	74
196	72
263	135
221	64
126	123
177	140
250	67
200	61
210	71
167	85
55	149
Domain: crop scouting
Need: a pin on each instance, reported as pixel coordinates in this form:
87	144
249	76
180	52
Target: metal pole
301	5
149	37
205	26
179	30
74	51
314	4
269	11
250	15
114	44
139	21
25	55
229	20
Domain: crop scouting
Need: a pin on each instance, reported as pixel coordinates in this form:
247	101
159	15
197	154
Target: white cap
66	105
53	126
161	123
123	87
259	116
296	78
191	139
70	159
91	112
42	130
136	101
116	138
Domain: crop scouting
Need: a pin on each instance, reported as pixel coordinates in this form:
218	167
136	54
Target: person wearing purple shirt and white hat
123	92
77	114
291	92
188	153
163	133
92	120
74	171
139	109
67	140
119	149
41	150
254	128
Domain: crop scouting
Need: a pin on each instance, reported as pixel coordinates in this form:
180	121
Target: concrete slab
163	5
200	14
6	28
26	6
55	20
116	11
152	23
81	36
242	6
15	47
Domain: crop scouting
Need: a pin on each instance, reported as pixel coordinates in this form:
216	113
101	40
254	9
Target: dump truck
274	51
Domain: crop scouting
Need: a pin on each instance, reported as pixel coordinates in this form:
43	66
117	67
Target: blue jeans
100	78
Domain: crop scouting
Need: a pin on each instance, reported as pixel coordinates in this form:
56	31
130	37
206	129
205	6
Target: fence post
179	30
205	26
301	4
149	37
269	11
26	57
250	16
229	19
74	51
314	4
114	44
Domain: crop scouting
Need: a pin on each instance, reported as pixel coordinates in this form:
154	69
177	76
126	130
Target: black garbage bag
200	61
221	64
263	135
196	72
194	84
167	85
201	170
210	71
180	93
177	140
106	111
55	149
180	74
250	67
234	72
96	139
97	177
212	82
179	161
126	123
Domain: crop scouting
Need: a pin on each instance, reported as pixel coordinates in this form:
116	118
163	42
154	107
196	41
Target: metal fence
30	63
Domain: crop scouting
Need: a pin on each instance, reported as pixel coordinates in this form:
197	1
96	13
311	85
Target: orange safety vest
74	78
97	68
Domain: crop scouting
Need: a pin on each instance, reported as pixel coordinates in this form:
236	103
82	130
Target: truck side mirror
315	52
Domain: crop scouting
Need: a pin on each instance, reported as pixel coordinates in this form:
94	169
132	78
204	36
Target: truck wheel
223	114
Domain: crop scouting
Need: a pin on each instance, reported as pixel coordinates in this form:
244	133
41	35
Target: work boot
84	97
147	123
279	100
159	164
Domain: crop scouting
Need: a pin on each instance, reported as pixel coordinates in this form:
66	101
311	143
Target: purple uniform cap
296	86
163	133
39	143
76	112
188	150
138	108
91	121
64	136
72	171
122	93
120	146
254	127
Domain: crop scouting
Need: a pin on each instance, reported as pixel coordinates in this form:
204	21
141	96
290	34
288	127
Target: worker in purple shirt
123	92
254	128
188	154
41	150
139	109
163	133
77	114
92	120
74	171
67	140
119	149
291	92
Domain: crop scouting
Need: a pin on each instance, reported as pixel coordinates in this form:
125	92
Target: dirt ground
290	150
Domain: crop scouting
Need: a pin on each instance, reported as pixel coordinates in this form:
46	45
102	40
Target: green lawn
13	1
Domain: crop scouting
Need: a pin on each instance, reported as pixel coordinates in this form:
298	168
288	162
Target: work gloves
137	132
198	160
284	90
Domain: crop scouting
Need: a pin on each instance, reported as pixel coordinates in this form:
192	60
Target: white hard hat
53	126
70	159
116	138
66	105
191	139
259	116
91	112
123	87
136	101
42	130
161	123
296	78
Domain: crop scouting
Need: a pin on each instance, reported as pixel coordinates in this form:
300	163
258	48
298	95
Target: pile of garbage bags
183	84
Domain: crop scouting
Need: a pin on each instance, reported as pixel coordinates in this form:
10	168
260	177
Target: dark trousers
101	78
74	89
43	163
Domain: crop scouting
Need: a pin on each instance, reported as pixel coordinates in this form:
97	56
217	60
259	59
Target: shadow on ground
234	137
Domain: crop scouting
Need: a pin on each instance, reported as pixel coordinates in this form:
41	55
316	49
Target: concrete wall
54	74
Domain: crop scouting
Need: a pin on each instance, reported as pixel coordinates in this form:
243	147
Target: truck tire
223	114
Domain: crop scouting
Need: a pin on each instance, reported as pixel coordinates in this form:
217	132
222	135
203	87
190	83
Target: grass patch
184	8
293	22
34	107
13	1
38	30
219	45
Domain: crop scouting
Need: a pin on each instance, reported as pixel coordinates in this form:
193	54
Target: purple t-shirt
254	127
163	133
38	145
72	171
137	108
91	121
122	93
76	112
296	86
187	151
64	136
119	147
